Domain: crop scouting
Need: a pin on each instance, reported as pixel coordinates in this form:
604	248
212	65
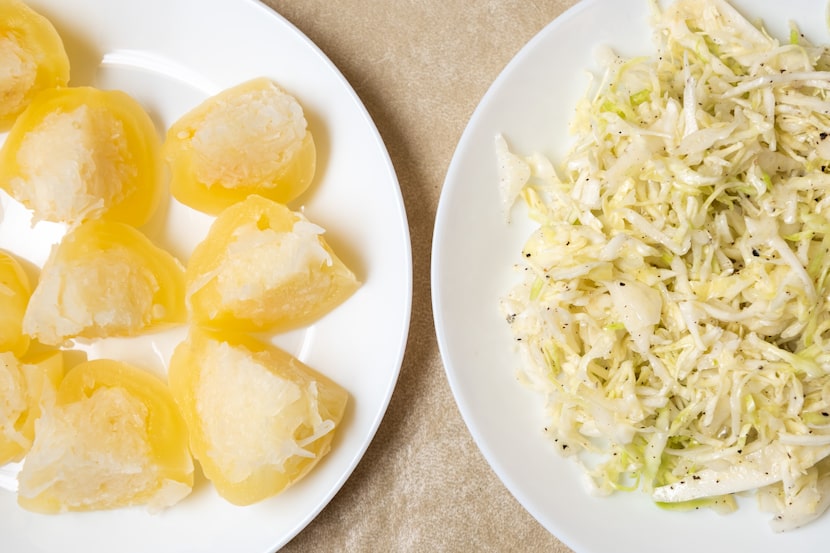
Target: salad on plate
673	303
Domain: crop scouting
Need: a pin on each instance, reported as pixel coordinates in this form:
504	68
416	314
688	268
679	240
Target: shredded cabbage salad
673	305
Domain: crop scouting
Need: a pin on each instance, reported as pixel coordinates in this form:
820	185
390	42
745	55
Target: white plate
474	249
170	54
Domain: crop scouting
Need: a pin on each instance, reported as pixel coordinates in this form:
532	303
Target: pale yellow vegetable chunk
259	419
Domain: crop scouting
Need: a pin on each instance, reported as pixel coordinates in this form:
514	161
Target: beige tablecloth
421	67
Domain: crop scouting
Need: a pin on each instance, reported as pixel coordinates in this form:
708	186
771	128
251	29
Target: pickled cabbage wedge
15	290
252	138
82	153
259	419
26	389
105	279
673	306
263	267
112	438
32	58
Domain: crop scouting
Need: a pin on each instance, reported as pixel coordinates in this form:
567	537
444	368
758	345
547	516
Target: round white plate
474	250
170	55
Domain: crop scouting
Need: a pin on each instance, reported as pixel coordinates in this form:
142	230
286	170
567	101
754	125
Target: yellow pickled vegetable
15	290
32	58
105	279
258	418
82	153
114	438
263	267
26	388
249	139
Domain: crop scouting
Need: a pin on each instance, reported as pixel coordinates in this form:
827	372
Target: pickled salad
673	304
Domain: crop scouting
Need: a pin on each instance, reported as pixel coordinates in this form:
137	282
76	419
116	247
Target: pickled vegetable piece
263	267
83	153
259	419
15	290
26	388
114	438
105	279
32	58
249	139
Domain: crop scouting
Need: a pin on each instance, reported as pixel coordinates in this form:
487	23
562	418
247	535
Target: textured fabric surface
421	67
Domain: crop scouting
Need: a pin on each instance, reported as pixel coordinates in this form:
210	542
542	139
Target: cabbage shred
673	305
